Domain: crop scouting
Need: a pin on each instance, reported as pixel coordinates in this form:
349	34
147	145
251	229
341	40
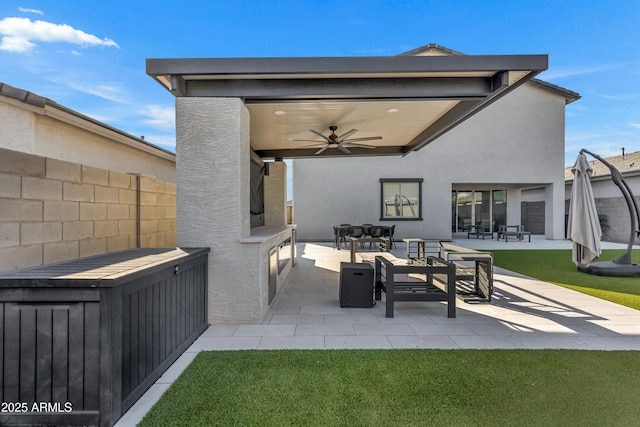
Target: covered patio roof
407	100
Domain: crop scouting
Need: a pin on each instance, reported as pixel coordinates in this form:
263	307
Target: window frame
401	181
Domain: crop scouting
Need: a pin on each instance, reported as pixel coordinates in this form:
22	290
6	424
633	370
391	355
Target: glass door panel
482	204
465	206
499	208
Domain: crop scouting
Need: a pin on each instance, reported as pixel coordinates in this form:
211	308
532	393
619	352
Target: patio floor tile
225	343
326	329
351	318
264	330
296	319
368	329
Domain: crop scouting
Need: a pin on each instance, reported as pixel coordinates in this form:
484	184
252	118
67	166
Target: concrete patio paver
524	314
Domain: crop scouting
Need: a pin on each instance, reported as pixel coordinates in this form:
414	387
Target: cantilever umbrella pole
634	212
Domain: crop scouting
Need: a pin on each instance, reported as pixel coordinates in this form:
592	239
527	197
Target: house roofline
45	106
569	95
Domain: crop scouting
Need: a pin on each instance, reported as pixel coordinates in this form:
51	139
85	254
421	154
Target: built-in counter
277	248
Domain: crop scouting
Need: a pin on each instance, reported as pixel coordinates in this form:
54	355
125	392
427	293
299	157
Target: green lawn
555	266
404	388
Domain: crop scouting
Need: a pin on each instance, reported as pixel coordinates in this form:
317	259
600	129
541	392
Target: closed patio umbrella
583	228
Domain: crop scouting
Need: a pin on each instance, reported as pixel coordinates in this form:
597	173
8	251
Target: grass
404	388
555	266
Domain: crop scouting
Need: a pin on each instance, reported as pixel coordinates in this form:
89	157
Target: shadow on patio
524	313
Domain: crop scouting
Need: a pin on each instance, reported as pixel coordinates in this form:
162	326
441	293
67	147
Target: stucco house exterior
71	186
473	174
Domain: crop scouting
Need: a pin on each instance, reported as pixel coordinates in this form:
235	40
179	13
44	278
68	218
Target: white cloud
160	117
109	91
27	10
20	34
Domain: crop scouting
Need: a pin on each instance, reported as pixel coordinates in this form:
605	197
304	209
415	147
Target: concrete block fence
52	210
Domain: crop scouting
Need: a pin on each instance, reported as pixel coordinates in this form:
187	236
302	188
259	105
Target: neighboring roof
627	164
437	50
47	107
409	101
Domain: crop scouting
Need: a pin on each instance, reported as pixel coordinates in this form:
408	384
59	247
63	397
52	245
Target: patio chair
340	235
356	231
375	232
389	232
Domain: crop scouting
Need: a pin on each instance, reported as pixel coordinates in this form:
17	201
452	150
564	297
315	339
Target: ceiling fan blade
360	145
319	144
324	138
341	148
320	151
306	140
346	135
366	138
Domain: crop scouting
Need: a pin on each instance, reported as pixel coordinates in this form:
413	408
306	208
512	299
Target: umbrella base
610	268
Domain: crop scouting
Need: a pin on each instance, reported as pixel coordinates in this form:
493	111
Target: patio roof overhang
408	100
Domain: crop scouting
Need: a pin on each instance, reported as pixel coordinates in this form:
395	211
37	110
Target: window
401	199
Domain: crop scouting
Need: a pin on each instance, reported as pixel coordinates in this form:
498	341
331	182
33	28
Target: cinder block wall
617	212
532	214
52	210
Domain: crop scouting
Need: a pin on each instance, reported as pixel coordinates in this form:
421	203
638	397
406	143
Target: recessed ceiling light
280	113
392	110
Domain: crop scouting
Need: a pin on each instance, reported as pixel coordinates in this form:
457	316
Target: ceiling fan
339	142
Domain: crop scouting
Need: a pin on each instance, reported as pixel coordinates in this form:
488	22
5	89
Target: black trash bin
356	285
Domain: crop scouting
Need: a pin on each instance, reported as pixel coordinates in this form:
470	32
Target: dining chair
389	232
375	232
356	231
366	229
336	237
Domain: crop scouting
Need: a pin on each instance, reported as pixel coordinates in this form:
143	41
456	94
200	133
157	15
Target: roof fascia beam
238	67
424	88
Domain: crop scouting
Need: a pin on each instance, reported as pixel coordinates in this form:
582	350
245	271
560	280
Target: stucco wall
27	129
516	142
53	210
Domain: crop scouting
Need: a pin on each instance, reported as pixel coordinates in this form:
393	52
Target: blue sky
90	56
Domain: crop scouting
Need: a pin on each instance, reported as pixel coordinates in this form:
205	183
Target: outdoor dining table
341	233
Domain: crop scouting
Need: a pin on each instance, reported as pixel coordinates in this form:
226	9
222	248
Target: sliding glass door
480	208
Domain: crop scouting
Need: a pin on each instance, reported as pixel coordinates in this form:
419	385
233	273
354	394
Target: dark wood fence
83	340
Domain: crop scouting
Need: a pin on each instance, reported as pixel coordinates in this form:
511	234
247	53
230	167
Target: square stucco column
514	206
213	193
554	211
275	195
